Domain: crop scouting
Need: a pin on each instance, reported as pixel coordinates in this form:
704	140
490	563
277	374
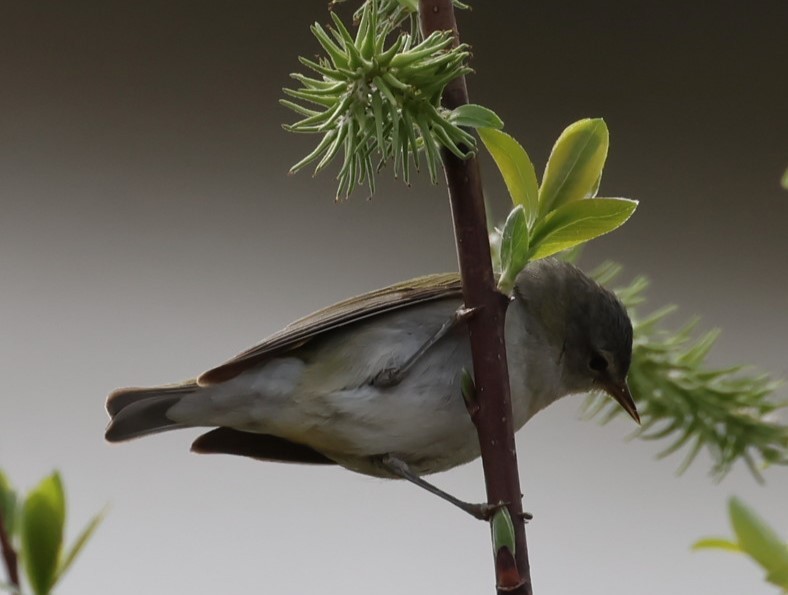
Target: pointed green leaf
467	387
756	537
508	235
503	530
43	517
79	543
475	116
594	188
514	248
5	485
575	164
578	222
779	577
716	543
516	168
8	505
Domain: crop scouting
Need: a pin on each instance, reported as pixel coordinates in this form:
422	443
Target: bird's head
587	324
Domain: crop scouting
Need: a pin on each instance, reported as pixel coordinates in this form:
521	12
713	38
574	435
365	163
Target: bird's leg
401	469
393	376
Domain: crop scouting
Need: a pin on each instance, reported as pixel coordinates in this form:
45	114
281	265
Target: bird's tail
136	412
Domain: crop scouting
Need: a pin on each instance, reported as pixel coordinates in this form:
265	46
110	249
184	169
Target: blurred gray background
149	229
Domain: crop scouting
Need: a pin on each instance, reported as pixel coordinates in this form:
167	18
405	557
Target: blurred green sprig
33	531
375	99
755	539
730	412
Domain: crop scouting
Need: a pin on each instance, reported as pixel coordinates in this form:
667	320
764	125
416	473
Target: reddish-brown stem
494	417
9	555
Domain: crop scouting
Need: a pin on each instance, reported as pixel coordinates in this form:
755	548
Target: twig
494	417
9	555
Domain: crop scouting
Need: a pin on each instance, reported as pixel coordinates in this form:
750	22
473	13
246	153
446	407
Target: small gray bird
373	383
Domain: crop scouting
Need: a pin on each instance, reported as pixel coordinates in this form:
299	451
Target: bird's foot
483	511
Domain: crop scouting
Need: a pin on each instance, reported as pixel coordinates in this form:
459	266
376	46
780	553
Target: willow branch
493	419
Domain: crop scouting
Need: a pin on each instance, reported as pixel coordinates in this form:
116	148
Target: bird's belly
423	423
422	419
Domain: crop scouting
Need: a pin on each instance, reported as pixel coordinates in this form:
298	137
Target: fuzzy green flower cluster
370	100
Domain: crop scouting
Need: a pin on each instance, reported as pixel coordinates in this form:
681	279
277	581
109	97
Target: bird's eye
597	363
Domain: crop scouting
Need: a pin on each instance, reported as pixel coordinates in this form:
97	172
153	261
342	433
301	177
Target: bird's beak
620	392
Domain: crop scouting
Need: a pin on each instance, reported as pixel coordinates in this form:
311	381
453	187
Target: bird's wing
262	447
296	334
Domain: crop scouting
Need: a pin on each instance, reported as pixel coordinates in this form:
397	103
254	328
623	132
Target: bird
372	383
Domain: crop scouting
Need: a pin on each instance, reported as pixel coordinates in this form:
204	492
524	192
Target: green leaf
514	248
594	188
467	387
575	164
475	116
716	543
8	505
502	530
5	485
79	543
779	577
578	222
516	168
756	538
43	517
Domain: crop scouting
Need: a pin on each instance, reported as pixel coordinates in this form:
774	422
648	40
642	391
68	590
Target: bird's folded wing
394	297
257	446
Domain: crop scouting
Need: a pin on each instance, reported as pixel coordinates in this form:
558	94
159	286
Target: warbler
373	383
